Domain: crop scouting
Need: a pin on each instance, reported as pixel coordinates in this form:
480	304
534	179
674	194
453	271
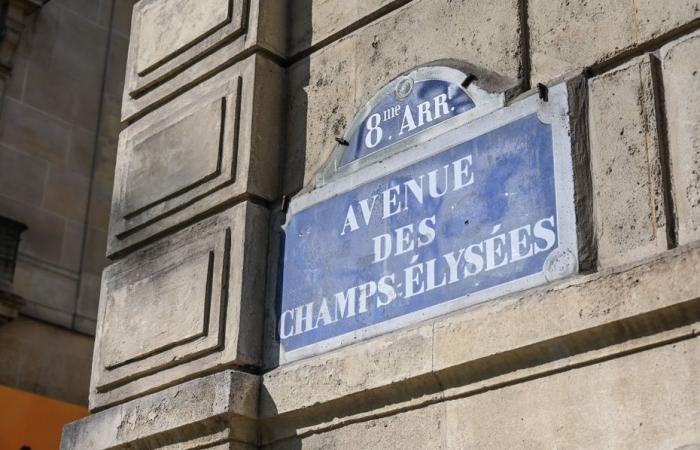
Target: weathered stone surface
655	18
51	291
569	318
33	132
95	245
121	22
221	405
681	74
329	87
165	28
177	294
72	245
65	69
338	373
611	404
86	8
61	373
193	142
44	236
315	21
546	367
166	58
204	286
582	304
87	303
15	85
416	429
80	149
66	194
217	142
21	176
169	34
567	35
626	165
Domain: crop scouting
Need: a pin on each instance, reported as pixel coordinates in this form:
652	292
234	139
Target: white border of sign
562	262
485	102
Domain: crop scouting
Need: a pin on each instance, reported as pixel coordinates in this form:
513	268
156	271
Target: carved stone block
187	304
176	43
204	148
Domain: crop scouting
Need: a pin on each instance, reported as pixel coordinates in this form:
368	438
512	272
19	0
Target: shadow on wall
298	74
293	170
295	156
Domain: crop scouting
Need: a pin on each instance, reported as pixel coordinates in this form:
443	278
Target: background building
63	70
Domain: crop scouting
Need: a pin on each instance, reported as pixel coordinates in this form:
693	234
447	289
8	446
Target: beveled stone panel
680	60
177	43
160	39
626	165
188	303
168	34
194	142
179	294
211	145
212	409
314	22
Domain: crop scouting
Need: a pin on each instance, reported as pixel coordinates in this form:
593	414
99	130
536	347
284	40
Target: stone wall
59	124
236	112
58	132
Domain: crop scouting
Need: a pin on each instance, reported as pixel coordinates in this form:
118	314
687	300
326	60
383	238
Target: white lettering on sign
499	249
411	118
396	199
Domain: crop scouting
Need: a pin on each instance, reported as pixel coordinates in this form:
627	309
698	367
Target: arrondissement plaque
440	198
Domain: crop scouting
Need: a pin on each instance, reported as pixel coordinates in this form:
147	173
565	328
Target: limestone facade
232	107
62	66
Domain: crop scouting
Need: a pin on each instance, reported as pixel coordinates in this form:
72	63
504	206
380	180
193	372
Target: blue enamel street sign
426	103
468	210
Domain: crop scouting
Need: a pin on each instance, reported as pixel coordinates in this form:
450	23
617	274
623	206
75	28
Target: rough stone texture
204	286
613	404
626	165
66	194
568	35
50	293
66	53
62	373
583	362
49	123
22	177
316	21
170	34
209	146
338	374
194	141
681	74
417	429
158	38
329	87
568	318
180	417
655	18
33	132
157	73
584	304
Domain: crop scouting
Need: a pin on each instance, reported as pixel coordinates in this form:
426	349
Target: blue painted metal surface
423	104
477	215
